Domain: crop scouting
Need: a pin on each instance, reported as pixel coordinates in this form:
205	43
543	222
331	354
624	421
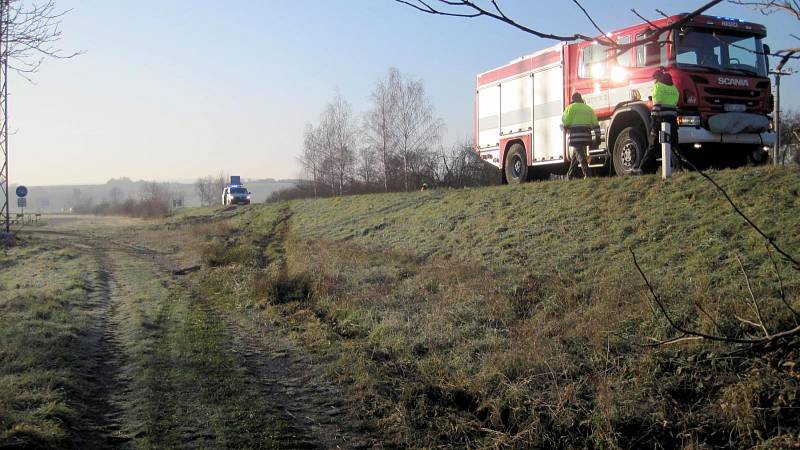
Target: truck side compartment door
516	105
489	117
548	106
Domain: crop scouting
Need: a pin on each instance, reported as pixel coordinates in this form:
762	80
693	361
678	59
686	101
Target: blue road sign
22	191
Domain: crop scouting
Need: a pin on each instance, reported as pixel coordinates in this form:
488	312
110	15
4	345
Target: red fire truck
717	64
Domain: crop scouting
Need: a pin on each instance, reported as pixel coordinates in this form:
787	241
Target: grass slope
512	316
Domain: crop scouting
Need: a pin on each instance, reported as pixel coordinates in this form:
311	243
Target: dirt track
141	341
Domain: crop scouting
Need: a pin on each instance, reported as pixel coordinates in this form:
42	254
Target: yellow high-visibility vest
579	114
664	94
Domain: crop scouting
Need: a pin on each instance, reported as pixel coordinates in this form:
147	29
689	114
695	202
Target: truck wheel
516	165
629	150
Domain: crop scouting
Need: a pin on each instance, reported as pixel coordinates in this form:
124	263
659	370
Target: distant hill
50	199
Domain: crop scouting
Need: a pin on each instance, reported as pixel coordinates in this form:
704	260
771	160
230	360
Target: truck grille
732	92
717	97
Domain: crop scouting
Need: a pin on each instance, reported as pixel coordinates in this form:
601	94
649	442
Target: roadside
59	359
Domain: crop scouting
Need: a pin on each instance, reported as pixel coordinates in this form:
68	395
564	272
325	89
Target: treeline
789	152
209	189
394	146
155	201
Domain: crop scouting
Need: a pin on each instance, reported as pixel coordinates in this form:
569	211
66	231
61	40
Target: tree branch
780	283
32	32
757	309
786	256
696	335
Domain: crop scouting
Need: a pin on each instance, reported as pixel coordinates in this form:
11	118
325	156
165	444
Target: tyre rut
102	418
313	407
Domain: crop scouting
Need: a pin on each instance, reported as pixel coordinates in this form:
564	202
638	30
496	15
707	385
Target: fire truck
718	65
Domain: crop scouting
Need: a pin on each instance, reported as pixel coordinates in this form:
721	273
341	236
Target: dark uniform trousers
578	138
658	115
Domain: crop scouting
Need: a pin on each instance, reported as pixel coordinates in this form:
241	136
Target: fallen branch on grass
770	241
690	335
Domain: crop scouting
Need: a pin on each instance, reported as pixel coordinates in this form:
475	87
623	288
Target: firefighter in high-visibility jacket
579	121
665	109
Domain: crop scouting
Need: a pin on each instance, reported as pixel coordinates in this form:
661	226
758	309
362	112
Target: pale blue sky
176	89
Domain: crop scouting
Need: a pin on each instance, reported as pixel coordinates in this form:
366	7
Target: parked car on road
235	195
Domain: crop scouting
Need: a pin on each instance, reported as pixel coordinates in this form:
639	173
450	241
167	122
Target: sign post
666	149
22	202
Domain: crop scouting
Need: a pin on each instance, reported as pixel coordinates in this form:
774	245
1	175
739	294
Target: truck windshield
722	52
238	190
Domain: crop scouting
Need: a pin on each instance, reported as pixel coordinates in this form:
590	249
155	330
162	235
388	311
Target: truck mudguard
622	115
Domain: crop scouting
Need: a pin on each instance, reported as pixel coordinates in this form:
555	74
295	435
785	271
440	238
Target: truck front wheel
629	150
516	164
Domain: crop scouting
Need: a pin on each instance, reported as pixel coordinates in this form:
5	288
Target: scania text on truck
718	65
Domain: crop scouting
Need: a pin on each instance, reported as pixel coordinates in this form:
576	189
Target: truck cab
719	68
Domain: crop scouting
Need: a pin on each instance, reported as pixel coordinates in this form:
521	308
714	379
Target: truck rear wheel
516	165
629	150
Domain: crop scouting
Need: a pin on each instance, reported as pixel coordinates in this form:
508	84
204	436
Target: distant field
514	315
52	199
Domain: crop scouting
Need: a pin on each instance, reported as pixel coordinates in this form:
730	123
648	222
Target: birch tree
416	128
339	137
379	122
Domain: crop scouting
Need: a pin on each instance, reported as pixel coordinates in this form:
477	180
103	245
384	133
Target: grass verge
43	318
513	316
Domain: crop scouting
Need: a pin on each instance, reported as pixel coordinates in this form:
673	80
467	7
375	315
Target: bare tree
33	32
203	187
218	184
209	188
766	7
415	127
378	122
790	138
366	166
310	156
115	195
461	166
339	140
155	199
81	204
402	147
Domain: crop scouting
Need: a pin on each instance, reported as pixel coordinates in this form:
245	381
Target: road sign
22	191
22	202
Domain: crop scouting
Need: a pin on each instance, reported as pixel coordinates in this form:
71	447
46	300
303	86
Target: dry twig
691	335
32	32
471	9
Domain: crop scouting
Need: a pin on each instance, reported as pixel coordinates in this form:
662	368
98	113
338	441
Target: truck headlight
689	121
618	74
